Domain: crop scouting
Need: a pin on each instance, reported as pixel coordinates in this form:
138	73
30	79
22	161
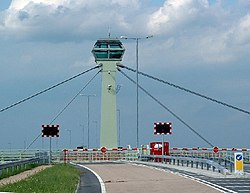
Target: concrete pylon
107	53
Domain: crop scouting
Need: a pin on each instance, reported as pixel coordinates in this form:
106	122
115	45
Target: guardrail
17	165
18	154
208	153
189	162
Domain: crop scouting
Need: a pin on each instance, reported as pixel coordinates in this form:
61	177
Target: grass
6	174
57	179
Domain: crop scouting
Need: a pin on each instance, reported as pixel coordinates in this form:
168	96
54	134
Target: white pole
162	148
49	150
137	96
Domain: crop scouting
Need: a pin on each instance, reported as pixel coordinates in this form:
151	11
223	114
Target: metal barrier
77	155
98	156
224	157
193	157
198	163
19	154
223	160
208	153
16	165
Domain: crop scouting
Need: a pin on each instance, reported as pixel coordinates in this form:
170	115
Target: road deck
128	178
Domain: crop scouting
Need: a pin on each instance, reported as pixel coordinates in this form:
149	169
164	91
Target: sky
202	45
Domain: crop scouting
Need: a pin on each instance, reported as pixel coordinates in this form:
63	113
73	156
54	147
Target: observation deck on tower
108	50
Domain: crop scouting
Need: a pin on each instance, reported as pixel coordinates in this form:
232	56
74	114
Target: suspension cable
189	91
166	108
74	97
67	105
47	89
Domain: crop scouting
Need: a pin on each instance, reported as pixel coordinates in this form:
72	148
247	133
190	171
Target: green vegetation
7	173
57	179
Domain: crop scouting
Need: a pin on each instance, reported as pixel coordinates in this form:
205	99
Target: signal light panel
50	130
163	128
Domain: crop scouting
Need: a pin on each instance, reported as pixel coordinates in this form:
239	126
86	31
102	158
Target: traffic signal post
50	131
162	128
162	149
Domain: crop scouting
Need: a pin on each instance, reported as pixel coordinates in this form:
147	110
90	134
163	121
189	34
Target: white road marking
103	189
238	186
215	186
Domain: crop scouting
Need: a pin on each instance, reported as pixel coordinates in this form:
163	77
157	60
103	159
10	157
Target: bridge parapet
198	163
221	160
208	153
20	154
12	166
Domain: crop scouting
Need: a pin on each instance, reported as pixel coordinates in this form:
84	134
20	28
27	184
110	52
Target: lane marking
214	186
238	186
231	179
103	189
233	183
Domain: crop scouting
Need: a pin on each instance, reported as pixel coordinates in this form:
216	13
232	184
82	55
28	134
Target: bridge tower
108	53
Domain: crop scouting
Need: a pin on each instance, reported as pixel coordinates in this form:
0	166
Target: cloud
190	32
201	32
176	13
21	4
242	30
66	20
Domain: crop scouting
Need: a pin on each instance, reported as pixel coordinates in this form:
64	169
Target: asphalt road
225	184
247	168
122	178
234	184
128	178
89	183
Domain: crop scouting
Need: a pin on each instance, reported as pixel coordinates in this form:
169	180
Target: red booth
156	149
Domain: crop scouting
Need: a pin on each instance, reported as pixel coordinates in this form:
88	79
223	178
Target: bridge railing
20	154
17	165
208	153
77	155
198	163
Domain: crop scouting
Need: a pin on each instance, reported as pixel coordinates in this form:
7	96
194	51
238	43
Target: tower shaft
108	109
107	53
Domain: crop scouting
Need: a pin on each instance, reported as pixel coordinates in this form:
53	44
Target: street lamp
69	130
95	133
137	87
88	96
10	146
82	134
119	127
24	144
